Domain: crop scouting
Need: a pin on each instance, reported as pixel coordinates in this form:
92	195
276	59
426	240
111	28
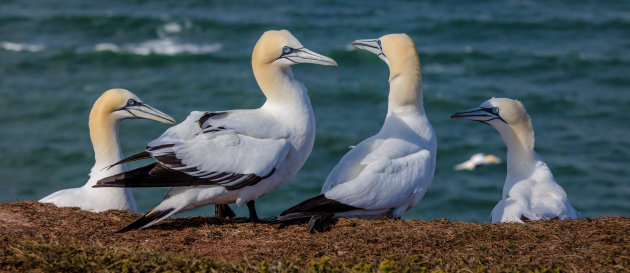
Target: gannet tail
319	211
138	156
154	216
319	204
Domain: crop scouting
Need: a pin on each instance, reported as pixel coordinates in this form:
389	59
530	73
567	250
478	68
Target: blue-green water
569	62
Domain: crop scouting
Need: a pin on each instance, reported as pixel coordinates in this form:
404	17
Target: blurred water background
567	61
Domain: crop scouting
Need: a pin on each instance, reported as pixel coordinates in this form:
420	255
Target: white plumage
530	191
388	173
477	160
234	156
111	108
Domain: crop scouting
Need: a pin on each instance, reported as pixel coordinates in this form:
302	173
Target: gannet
530	191
477	160
388	173
234	156
108	111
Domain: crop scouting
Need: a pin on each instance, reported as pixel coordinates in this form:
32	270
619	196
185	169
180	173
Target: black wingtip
132	178
145	220
319	204
138	156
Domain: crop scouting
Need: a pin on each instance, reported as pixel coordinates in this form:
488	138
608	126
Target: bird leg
223	211
253	216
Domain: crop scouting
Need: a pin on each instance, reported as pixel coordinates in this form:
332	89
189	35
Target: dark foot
223	211
321	222
253	216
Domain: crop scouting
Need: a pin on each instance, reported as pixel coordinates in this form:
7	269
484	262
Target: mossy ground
44	238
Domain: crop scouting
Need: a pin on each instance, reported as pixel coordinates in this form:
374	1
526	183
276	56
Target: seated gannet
108	111
388	173
477	160
530	192
234	156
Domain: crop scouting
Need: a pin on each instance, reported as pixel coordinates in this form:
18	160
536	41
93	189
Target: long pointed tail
318	211
154	216
319	204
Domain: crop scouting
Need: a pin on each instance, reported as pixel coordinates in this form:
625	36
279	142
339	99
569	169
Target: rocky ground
44	238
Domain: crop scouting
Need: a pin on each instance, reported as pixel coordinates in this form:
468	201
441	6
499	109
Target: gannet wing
349	167
387	183
390	174
549	201
200	152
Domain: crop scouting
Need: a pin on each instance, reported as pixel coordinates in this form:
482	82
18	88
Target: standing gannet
530	192
234	156
107	113
388	173
477	160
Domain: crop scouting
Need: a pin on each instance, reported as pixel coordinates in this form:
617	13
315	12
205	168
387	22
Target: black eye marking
494	111
131	102
286	50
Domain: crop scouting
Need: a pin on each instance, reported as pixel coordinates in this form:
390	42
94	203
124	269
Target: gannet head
505	115
399	52
393	49
280	47
492	159
121	104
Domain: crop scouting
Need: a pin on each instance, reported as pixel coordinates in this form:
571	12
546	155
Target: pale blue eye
495	110
286	49
131	102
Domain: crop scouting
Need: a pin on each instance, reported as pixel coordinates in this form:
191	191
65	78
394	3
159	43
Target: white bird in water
108	111
530	191
477	160
234	156
388	173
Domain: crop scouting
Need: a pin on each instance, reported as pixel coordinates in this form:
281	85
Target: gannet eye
131	102
286	49
495	110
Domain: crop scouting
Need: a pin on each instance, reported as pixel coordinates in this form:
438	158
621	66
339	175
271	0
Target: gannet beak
372	45
482	114
145	111
305	55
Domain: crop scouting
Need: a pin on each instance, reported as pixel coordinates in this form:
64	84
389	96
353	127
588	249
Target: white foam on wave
166	46
20	47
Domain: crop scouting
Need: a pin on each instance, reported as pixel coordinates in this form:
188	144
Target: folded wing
201	152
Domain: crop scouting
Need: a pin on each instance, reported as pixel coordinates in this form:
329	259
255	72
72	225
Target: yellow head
119	104
280	47
399	52
492	159
508	116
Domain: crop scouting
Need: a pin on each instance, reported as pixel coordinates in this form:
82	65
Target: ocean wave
17	47
165	46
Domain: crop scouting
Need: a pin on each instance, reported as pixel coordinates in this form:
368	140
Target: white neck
521	158
282	90
104	136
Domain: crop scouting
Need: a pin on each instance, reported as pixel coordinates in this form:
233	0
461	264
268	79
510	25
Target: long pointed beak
372	45
305	55
479	114
145	111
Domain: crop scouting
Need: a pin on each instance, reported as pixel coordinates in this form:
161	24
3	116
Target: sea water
567	61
